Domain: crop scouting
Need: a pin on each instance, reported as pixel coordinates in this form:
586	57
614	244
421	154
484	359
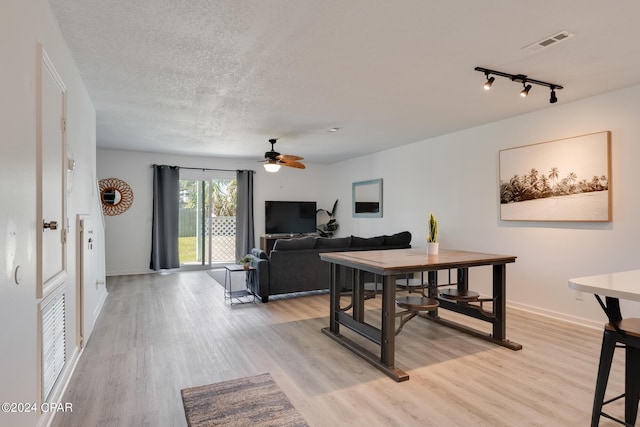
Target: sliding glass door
207	218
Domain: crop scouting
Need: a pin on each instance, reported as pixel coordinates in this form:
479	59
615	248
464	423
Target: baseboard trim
46	419
98	309
96	313
593	324
128	273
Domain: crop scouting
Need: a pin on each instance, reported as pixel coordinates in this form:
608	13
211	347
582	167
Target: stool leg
632	388
606	356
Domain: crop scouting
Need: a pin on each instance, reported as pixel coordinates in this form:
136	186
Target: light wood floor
158	334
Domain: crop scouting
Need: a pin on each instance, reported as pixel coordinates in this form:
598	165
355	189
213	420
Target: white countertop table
622	285
613	286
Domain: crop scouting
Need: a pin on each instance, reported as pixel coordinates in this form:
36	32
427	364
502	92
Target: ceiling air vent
548	41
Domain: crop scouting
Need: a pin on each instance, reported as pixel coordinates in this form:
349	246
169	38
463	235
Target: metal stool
409	284
456	295
413	305
369	292
626	332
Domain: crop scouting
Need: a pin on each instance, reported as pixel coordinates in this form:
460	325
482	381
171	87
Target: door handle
53	225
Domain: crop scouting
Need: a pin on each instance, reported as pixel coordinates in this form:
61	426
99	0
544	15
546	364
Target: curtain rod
205	169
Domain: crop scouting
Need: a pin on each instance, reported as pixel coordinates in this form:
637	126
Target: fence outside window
219	235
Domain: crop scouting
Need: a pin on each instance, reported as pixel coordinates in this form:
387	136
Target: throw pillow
339	242
398	239
360	242
294	244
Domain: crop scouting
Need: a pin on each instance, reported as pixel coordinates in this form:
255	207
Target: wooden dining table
394	263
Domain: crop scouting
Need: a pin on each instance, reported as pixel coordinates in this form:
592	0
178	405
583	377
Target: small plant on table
246	261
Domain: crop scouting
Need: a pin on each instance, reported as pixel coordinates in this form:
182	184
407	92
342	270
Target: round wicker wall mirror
116	196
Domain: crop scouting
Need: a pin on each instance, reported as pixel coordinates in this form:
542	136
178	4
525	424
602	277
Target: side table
240	296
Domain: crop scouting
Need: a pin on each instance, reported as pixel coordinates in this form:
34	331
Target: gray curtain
164	229
244	213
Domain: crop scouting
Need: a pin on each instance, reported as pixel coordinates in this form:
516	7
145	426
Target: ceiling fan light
271	167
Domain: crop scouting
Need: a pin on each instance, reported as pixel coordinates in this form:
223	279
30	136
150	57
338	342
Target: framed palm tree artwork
563	180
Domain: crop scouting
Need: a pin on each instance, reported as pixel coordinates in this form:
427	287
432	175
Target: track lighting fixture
553	99
489	82
519	78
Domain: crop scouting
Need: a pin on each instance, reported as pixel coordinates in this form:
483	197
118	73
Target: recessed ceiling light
333	130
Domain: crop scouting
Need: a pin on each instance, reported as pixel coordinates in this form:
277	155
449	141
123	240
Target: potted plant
327	229
432	237
245	260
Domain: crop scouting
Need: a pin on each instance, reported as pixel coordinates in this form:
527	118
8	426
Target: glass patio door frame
204	179
204	223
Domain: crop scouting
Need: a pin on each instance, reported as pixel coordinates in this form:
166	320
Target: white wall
456	177
128	236
24	23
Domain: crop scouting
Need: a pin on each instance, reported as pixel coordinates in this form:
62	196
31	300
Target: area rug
249	401
217	275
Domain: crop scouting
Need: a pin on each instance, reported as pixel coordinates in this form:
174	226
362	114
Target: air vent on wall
54	338
548	41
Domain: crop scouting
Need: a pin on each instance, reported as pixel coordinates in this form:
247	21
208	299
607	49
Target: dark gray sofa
294	265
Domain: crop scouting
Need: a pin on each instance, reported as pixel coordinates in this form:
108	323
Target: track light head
489	82
524	92
553	99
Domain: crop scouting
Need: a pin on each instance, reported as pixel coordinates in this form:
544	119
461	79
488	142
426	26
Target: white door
51	224
52	180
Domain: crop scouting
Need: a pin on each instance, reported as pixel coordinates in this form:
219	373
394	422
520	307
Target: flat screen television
289	217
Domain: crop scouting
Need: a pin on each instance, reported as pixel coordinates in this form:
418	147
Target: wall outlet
579	295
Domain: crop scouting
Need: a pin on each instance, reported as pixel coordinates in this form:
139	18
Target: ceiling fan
273	160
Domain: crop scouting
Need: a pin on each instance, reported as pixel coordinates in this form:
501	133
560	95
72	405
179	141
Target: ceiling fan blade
272	157
292	164
288	157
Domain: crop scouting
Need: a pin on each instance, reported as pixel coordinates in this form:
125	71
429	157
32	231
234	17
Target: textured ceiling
221	77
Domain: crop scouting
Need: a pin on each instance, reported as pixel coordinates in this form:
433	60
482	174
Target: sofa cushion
339	242
398	239
361	242
295	244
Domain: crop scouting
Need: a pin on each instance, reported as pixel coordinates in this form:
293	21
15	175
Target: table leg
227	275
387	354
499	301
462	280
611	309
432	287
632	384
385	337
334	299
358	295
